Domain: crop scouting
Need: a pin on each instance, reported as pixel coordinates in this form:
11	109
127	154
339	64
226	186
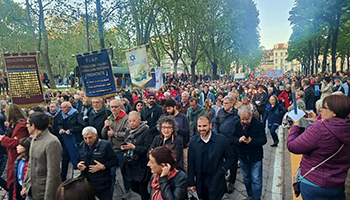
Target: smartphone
306	115
124	143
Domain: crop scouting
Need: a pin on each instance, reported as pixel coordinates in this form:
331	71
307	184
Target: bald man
69	126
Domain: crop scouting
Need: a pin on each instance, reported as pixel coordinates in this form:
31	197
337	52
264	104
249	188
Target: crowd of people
185	140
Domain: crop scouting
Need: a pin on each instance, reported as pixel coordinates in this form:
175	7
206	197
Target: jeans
274	136
309	192
120	157
252	177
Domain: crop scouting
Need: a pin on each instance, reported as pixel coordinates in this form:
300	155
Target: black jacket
253	151
97	120
175	188
73	123
184	128
152	115
309	98
137	169
175	144
221	158
102	152
263	98
223	123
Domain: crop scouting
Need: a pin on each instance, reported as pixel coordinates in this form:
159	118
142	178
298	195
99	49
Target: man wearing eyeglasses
114	128
43	173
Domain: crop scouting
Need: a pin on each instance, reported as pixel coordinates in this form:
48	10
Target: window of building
286	53
276	54
281	54
281	61
276	61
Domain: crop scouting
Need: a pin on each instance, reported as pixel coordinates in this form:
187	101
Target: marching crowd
183	141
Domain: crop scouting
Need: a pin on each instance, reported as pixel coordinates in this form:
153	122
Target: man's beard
172	113
206	133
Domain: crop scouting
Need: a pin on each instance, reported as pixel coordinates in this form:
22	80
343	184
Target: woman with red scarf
168	183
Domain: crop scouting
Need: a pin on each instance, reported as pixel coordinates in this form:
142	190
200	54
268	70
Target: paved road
276	175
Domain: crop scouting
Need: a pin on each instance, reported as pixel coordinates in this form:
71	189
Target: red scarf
157	195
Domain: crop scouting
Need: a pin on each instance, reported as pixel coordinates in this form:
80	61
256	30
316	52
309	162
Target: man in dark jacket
69	126
309	94
260	100
209	158
249	136
96	160
193	113
151	113
226	117
97	115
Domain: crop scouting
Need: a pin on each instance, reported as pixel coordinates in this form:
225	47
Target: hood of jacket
339	128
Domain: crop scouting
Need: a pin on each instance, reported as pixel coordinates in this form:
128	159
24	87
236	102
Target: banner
138	66
159	78
152	84
24	79
96	71
274	73
239	76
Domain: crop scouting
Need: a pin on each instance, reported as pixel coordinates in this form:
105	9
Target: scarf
70	112
97	112
157	195
136	131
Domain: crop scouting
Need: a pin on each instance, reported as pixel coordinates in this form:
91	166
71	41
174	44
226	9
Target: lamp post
87	26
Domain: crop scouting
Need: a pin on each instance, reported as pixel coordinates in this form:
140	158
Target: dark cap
151	94
170	103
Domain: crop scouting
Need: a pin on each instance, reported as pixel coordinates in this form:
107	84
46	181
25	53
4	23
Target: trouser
65	163
252	178
274	135
120	157
141	189
309	192
205	188
31	198
233	168
2	87
185	159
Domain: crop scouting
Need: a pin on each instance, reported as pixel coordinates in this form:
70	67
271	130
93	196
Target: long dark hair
164	154
25	143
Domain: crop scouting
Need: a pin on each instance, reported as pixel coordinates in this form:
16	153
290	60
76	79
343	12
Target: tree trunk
317	54
100	25
185	66
215	69
193	71
45	51
237	65
334	44
325	53
175	65
342	64
348	60
311	51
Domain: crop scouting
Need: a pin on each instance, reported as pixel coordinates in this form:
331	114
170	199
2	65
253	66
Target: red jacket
287	102
19	132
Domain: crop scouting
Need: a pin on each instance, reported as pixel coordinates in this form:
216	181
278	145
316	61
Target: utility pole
87	26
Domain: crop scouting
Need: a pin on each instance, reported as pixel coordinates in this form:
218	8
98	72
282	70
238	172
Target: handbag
297	176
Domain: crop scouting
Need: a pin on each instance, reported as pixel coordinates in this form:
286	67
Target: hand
296	123
166	170
283	100
23	192
81	166
193	188
242	139
68	132
312	117
247	141
61	131
110	132
95	168
107	123
1	136
128	146
6	123
258	104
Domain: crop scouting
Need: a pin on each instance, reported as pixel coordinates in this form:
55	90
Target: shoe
248	198
127	195
230	188
274	145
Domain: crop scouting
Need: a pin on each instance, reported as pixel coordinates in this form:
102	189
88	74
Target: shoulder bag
297	176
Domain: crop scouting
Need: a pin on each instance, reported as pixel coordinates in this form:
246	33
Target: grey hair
270	88
3	103
167	119
319	103
245	108
166	94
229	98
185	93
300	93
56	103
89	129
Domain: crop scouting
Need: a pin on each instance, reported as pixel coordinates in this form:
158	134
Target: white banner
138	66
159	78
239	76
274	73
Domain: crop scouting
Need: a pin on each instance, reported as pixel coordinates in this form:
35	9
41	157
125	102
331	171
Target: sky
274	24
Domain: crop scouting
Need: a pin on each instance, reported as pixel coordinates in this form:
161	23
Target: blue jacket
221	158
274	115
209	96
346	87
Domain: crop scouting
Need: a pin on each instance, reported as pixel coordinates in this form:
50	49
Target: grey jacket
43	173
118	137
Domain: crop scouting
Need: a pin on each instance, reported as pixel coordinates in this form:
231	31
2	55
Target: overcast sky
274	25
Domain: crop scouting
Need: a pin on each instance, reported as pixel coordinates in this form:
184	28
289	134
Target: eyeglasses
166	127
115	106
323	107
